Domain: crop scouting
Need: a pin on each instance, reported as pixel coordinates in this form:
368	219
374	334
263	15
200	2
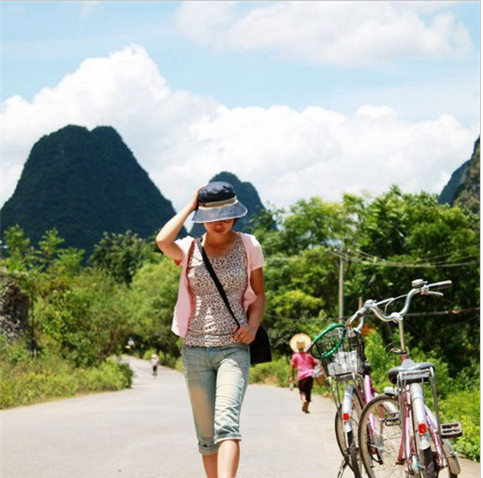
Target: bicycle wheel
448	458
339	432
431	467
448	451
347	441
432	464
380	439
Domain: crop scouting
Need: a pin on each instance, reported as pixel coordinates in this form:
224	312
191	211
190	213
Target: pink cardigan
182	310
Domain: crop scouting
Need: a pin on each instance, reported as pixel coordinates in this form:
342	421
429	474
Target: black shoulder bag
260	351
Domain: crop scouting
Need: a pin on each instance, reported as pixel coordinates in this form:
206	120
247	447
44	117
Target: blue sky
300	98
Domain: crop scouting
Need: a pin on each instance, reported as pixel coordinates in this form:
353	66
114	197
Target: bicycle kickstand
343	466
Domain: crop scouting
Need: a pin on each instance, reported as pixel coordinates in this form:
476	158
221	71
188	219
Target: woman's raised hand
194	201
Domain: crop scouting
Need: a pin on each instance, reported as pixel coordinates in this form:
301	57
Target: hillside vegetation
84	183
463	188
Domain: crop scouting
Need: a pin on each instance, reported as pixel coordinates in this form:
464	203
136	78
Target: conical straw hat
299	342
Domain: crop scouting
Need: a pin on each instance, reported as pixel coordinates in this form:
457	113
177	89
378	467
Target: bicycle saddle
408	366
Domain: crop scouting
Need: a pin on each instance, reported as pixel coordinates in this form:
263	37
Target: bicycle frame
363	383
366	392
360	384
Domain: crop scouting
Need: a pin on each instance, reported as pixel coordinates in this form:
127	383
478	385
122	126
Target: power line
444	312
375	259
413	314
377	262
371	256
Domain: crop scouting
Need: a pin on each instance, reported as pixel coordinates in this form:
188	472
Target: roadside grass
464	406
25	380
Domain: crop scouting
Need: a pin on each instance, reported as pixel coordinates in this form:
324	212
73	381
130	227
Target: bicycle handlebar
363	311
441	285
419	287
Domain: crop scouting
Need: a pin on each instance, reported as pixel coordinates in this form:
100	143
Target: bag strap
217	282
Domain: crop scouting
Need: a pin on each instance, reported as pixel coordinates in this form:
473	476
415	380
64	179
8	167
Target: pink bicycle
340	349
399	435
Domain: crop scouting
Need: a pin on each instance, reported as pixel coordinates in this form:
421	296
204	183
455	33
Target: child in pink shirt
305	364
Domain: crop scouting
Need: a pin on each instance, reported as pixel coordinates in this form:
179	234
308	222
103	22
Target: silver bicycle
399	435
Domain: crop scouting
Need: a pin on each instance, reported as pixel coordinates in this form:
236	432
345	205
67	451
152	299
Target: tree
151	300
20	254
120	255
86	320
408	236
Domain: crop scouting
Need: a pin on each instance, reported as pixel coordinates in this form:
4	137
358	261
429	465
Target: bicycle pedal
390	391
451	430
392	419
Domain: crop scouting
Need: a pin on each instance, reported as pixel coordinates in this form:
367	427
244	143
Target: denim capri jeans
217	378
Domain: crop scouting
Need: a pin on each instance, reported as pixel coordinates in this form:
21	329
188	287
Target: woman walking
215	352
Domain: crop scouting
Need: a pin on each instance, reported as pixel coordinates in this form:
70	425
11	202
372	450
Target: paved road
147	432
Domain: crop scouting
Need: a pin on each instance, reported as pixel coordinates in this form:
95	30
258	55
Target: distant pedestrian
130	344
154	364
215	352
305	364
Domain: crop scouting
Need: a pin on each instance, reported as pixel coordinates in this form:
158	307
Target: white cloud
343	33
182	139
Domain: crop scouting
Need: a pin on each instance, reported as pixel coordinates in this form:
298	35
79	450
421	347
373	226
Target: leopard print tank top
211	324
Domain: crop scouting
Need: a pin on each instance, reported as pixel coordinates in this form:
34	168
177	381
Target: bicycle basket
341	351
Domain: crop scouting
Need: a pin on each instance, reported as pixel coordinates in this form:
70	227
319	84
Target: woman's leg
228	458
210	462
231	384
201	381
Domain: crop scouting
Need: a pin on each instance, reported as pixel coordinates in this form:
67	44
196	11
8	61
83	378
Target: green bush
147	354
275	372
168	360
178	365
380	359
464	406
29	380
109	376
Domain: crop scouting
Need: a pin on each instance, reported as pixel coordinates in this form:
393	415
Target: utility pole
341	283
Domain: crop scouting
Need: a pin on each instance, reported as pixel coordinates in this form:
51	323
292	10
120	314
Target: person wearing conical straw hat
305	364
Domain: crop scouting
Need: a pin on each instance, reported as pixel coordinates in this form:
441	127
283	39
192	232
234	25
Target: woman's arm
167	235
246	333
